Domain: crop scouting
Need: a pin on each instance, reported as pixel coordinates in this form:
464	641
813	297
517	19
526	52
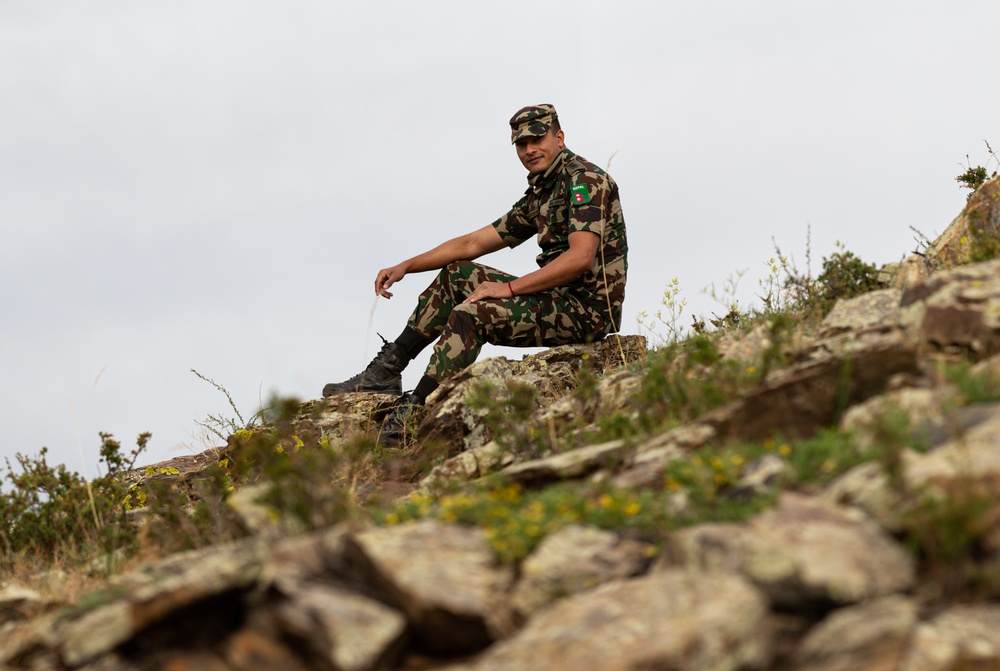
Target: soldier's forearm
562	270
463	248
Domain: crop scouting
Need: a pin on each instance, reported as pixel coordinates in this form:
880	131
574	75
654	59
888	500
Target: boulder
870	636
674	619
454	597
573	559
803	554
956	309
962	637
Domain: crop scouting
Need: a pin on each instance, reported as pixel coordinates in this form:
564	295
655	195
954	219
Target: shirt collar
542	179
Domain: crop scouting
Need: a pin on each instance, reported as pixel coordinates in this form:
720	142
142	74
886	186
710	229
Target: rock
914	269
453	596
922	407
618	350
796	402
980	218
612	395
958	308
871	636
139	600
448	417
20	603
346	630
569	465
469	465
966	464
648	463
671	620
804	553
252	651
962	637
876	310
257	517
574	559
552	373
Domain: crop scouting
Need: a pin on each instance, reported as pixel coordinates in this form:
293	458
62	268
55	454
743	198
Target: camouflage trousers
543	319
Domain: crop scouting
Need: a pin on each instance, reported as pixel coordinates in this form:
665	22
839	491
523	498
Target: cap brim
527	133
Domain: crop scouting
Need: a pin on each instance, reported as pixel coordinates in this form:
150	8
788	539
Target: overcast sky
213	185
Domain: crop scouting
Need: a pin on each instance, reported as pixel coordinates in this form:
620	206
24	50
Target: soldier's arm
465	247
561	270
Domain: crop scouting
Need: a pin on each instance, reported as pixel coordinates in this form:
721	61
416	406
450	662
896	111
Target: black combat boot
382	375
394	427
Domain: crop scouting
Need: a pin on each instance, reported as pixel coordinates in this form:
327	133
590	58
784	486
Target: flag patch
580	194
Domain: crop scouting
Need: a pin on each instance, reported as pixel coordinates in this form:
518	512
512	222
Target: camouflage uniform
571	195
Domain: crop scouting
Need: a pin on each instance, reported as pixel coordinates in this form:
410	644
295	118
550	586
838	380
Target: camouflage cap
532	120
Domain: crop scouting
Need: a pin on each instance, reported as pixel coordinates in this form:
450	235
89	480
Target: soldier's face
537	153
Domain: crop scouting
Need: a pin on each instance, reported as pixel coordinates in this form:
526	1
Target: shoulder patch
580	194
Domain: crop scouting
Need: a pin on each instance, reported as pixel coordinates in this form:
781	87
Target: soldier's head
537	136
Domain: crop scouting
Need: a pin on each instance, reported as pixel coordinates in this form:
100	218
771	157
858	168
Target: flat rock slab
453	596
347	630
957	308
868	637
963	637
574	559
671	620
805	552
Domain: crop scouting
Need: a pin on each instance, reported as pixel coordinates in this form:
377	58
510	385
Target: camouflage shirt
575	195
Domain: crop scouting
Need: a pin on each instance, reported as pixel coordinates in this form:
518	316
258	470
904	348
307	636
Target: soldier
575	296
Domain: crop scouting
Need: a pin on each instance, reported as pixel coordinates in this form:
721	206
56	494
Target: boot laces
381	354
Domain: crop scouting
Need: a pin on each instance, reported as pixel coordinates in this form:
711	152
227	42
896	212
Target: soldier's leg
540	319
451	286
536	320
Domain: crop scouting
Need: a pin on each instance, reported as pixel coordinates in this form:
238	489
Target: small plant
668	317
223	427
726	297
975	177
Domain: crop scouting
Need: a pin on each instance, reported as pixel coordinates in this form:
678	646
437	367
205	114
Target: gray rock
958	308
141	599
672	620
871	636
472	464
967	463
19	603
982	211
454	595
574	559
963	637
347	630
875	310
569	465
805	552
798	401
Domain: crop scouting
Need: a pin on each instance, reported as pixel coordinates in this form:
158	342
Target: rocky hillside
792	493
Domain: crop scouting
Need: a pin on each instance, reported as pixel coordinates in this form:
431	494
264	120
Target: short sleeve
588	200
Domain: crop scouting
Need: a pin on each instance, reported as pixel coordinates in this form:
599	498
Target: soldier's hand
386	278
489	290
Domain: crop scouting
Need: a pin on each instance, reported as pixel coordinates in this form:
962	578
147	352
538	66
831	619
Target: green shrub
975	176
50	512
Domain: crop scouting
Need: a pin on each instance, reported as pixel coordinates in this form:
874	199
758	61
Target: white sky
213	185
